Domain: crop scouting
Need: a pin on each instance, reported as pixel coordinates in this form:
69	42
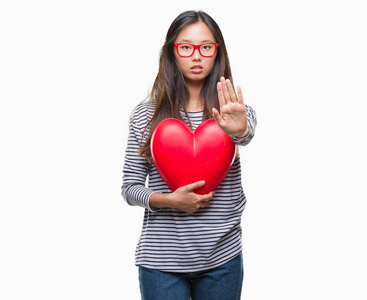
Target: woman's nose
196	55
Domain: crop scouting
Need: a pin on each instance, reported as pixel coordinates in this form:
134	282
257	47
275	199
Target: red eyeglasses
187	50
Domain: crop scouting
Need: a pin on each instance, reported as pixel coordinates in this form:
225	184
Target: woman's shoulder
144	110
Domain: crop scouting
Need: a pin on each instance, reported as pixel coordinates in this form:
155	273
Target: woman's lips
196	69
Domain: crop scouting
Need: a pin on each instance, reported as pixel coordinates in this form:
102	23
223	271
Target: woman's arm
136	168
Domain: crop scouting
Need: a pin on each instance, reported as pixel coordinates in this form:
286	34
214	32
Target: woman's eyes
186	47
190	47
206	47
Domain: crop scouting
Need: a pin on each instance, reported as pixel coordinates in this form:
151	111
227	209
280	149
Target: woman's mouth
196	69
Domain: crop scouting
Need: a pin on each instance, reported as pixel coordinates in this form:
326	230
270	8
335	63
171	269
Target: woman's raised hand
232	118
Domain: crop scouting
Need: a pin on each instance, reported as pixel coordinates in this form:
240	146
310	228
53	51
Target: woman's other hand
184	199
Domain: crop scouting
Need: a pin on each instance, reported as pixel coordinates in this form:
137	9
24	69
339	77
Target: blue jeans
221	283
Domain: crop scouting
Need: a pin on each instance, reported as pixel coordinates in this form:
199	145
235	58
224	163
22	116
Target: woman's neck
195	102
197	106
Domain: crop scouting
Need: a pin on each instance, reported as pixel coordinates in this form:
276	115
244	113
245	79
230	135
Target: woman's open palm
232	118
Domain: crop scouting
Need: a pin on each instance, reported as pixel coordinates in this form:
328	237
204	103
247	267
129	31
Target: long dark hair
169	89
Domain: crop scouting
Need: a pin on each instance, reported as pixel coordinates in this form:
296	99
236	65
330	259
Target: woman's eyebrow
184	41
189	41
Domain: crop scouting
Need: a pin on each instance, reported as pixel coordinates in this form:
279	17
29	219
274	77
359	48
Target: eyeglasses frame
196	47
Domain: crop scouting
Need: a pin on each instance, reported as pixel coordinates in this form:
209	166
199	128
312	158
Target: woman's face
196	67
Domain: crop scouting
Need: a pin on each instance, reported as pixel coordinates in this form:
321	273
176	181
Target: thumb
195	185
216	114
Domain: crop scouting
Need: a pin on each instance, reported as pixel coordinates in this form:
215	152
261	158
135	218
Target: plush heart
182	157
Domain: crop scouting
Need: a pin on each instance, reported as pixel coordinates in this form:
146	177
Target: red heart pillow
183	157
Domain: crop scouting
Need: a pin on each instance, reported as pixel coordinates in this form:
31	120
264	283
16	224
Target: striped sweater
172	240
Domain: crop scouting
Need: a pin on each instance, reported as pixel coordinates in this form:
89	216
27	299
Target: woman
190	244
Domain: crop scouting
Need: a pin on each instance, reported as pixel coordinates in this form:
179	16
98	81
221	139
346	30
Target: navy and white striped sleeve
136	168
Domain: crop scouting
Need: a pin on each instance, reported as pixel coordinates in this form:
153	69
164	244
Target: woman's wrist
243	135
159	200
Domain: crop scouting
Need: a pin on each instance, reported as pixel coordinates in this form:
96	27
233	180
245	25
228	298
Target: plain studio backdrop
71	73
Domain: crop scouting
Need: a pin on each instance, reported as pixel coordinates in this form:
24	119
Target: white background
72	71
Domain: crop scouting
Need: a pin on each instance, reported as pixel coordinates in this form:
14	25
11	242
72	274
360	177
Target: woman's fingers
226	93
217	116
195	185
190	202
240	95
221	98
232	94
204	203
225	90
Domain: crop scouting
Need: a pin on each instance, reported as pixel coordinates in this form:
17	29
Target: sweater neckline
193	112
